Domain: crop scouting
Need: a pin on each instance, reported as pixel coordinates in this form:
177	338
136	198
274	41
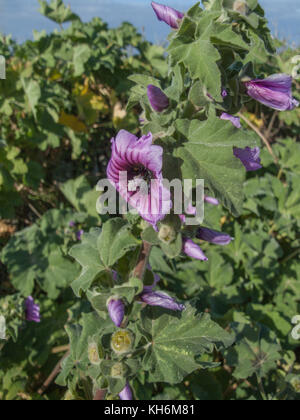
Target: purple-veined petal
158	100
32	310
116	310
224	93
160	299
250	158
235	120
167	14
126	393
274	91
217	238
193	250
142	161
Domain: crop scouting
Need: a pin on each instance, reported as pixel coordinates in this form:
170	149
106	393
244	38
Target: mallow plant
135	334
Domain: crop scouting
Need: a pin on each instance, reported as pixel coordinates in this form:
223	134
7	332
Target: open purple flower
116	310
167	14
142	186
213	237
160	299
193	250
274	91
32	310
250	158
126	393
235	120
158	100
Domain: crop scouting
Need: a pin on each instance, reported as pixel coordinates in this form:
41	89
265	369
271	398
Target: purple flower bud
167	14
116	310
161	299
193	250
235	120
211	200
72	224
249	158
126	394
274	92
213	237
79	235
224	93
158	100
32	310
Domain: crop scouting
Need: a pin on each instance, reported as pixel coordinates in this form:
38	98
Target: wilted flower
158	100
142	162
274	92
235	120
250	158
32	310
126	394
116	310
193	250
161	299
167	14
217	238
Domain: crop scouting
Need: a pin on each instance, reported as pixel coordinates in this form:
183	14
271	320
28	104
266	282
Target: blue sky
20	17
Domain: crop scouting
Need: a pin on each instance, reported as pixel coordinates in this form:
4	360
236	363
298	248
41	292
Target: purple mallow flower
250	158
160	299
211	200
158	100
213	237
274	91
167	14
126	394
135	170
116	310
193	250
32	310
235	120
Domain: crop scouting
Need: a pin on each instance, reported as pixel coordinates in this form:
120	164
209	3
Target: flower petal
161	299
126	393
249	157
167	14
116	310
214	237
235	120
193	250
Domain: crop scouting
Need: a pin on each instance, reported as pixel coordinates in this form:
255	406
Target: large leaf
256	351
208	155
176	340
100	250
200	58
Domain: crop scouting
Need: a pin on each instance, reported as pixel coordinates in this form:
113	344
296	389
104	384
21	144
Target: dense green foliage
64	98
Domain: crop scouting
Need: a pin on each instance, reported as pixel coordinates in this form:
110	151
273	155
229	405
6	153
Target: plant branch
52	375
141	266
259	133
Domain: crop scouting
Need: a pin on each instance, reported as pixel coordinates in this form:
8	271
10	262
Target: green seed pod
167	234
121	341
118	370
93	353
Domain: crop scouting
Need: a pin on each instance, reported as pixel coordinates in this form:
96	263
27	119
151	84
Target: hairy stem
141	266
